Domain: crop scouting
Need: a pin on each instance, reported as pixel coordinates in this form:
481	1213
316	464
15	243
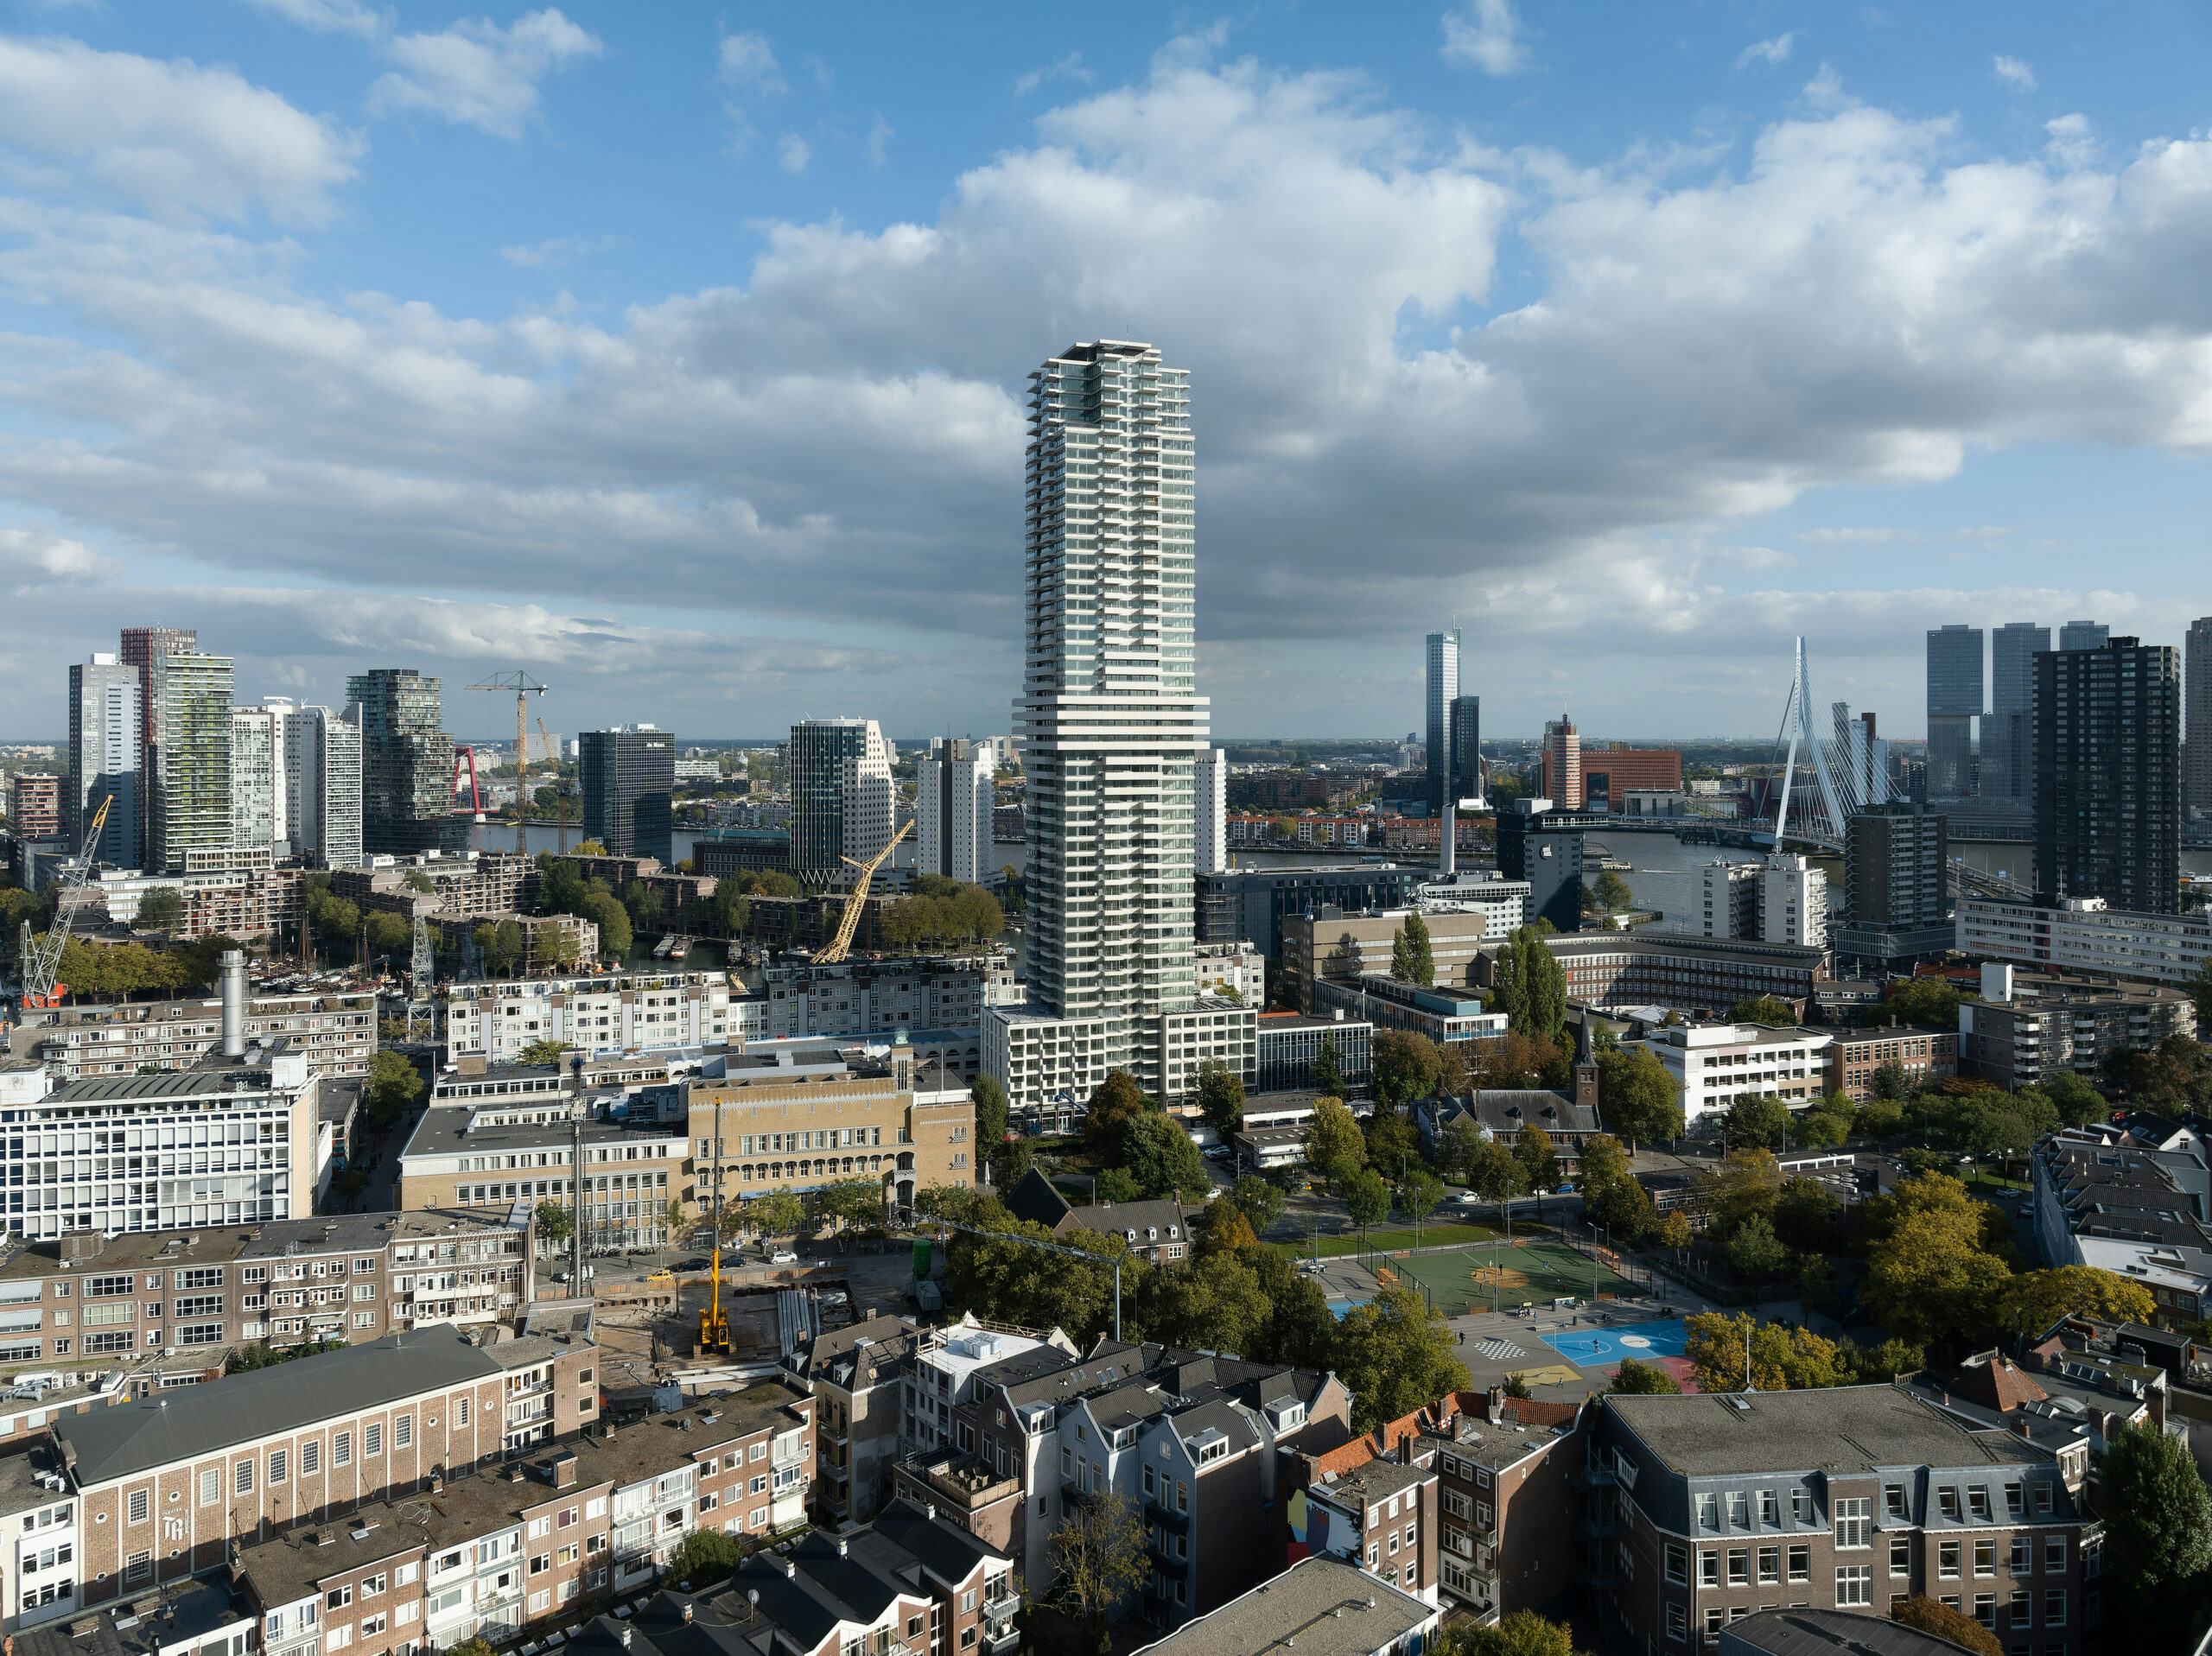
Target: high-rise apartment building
105	744
842	798
2007	744
1955	702
1466	748
629	783
322	790
952	808
2197	716
1111	725
1442	691
191	759
258	778
1896	901
1783	899
140	647
2107	796
1210	813
406	760
2083	635
1563	764
37	805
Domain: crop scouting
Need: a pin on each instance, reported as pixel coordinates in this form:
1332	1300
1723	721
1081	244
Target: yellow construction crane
524	686
848	922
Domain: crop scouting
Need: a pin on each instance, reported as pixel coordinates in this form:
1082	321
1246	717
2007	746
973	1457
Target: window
338	1598
311	1457
1893	1499
2015	1499
1740	1566
1678	1623
141	1506
2054	1556
1801	1564
1739	1509
2023	1555
341	1448
242	1478
1852	1518
1947	1560
138	1567
1984	1609
1769	1564
372	1625
1708	1512
460	1411
211	1485
1946	1499
1900	1555
1709	1568
1678	1564
1854	1585
1978	1499
373	1585
2054	1607
279	1465
339	1637
372	1438
1800	1505
1985	1555
1770	1508
403	1431
2042	1499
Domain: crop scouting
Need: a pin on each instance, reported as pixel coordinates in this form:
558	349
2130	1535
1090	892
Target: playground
1501	1276
1605	1348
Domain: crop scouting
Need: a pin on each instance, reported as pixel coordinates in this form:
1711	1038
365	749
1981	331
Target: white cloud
1486	33
559	250
477	74
748	61
2072	144
879	140
174	135
1069	67
1774	51
792	153
2014	73
327	16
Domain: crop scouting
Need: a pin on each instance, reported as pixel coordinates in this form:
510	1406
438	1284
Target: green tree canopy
2157	1531
1115	1102
1328	1070
1637	1378
1221	1097
161	909
1928	1276
1758	1120
1162	1158
557	1222
706	1557
989	1095
1334	1148
1941	1619
1494	1173
1929	1002
1259	1201
394	1084
1639	1099
1407	1067
1755	1252
1768	1010
1395	1356
1366	1198
2035	1301
1747	1185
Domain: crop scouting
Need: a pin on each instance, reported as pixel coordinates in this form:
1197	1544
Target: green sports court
1500	1275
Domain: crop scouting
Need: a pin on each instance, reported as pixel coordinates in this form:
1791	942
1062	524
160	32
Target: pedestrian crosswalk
1499	1350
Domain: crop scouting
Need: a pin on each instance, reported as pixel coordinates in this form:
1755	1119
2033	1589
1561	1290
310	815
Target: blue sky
675	352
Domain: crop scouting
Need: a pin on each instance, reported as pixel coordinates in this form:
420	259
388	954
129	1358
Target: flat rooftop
1848	1429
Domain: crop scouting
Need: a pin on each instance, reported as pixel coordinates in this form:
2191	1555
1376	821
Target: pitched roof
1996	1382
1035	1199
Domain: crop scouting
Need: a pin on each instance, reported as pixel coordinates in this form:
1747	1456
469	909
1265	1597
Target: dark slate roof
944	1548
1829	1632
1164	1216
193	1420
1035	1198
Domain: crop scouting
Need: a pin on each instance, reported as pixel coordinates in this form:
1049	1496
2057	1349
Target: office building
1446	1015
2028	1027
841	794
1955	702
260	806
1612	773
952	809
1466	724
1713	1063
1695	976
2107	796
140	648
1793	901
1251	904
35	799
1857	1058
191	759
2083	635
629	783
1849	1499
2008	728
1291	1044
322	786
1897	903
2198	716
406	761
1328	943
106	742
1563	781
1111	725
1209	812
1442	689
2087	935
1866	758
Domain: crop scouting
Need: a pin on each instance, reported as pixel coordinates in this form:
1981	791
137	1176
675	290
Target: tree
1118	1184
1783	1360
1755	1119
1612	891
1457	1146
1219	1308
394	1084
1636	1379
1334	1147
2157	1529
1419	1191
1755	1252
1420	961
1674	1233
1099	1557
777	1214
1163	1159
161	909
1010	1160
989	1095
389	934
1396	1356
851	1202
1260	1201
2035	1301
1929	1277
1890	1080
1391	1141
2078	1103
2173	1078
1495	1174
1539	1161
557	1222
1929	1002
1223	1228
1944	1622
1406	1068
599	907
1532	990
1328	1072
1622	1206
1519	1059
503	949
1366	1199
706	1557
1116	1101
1522	1634
1746	1186
1221	1097
1805	1214
1763	1009
2200	990
1640	1100
540	1053
1821	1128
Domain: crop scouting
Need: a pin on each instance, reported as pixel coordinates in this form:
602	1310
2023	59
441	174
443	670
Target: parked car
782	1256
699	1264
1468	1199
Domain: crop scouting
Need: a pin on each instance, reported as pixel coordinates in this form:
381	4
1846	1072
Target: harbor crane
38	959
848	922
524	686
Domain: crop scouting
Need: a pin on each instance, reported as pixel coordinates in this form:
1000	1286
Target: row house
858	1376
1709	1507
160	1488
85	1302
491	1553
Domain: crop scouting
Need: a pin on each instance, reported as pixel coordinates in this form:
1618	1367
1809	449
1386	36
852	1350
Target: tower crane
524	686
848	922
38	960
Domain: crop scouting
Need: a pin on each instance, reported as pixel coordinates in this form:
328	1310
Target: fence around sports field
1499	1276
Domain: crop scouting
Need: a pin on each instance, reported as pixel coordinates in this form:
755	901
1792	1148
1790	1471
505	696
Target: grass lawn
1383	1238
1981	1180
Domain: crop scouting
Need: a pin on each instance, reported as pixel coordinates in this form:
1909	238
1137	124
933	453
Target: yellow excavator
713	1321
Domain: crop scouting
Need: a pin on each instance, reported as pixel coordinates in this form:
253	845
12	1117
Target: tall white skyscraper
1210	813
1111	726
258	809
952	808
322	795
105	743
1443	690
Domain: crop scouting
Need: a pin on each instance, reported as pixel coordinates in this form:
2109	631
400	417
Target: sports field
1501	1276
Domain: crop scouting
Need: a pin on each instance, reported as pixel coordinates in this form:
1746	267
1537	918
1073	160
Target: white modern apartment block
952	808
322	791
1209	812
1503	903
1714	1064
1793	902
632	1011
259	811
1111	726
2080	934
1233	971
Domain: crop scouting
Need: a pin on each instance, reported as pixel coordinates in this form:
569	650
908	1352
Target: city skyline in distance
344	401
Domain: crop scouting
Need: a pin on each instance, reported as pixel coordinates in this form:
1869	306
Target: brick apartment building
1856	1058
1706	1508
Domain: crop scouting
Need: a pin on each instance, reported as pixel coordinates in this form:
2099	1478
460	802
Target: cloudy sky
675	351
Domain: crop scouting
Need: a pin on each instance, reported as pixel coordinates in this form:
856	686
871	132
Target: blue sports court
1601	1348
